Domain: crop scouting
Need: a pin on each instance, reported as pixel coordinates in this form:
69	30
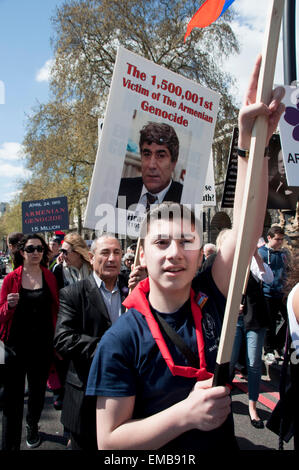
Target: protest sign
289	134
45	215
280	194
143	92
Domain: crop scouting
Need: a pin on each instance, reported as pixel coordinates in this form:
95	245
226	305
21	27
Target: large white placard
289	134
140	92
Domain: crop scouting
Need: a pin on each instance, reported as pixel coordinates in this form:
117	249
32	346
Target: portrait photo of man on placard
151	171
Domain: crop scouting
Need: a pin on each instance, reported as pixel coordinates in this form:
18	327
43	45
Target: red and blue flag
209	12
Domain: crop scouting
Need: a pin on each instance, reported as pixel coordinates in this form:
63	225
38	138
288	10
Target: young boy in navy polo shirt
152	371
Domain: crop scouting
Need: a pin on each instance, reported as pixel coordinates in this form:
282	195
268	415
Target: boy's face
171	253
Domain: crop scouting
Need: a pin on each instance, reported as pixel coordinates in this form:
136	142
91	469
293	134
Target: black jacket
255	309
132	187
82	321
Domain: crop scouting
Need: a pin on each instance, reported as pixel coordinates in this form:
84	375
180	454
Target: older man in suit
87	309
159	150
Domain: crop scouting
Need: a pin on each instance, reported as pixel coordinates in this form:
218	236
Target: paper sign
289	134
143	92
280	194
45	215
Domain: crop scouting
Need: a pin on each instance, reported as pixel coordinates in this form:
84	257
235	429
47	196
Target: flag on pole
209	12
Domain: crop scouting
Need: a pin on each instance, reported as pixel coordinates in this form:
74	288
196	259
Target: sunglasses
32	248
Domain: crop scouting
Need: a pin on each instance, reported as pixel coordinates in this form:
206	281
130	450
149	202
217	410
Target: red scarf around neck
138	300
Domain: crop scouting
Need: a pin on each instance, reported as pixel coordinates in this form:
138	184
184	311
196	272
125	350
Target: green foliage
61	136
11	220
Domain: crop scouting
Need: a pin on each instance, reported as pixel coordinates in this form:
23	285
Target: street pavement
249	438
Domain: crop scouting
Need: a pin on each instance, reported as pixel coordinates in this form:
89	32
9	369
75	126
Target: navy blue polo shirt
128	362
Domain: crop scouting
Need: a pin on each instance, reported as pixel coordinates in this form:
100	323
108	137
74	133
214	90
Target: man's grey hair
104	235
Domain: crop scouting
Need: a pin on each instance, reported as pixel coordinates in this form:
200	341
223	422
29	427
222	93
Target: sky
26	55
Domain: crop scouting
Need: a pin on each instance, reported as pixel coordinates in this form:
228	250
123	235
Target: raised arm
250	110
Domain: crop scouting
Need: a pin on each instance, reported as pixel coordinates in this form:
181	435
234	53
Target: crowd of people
130	340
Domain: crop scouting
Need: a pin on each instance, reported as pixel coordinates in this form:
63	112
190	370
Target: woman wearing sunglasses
28	312
75	263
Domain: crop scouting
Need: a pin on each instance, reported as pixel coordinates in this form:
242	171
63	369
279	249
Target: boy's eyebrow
159	236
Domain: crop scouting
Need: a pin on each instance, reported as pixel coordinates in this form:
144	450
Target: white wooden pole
249	207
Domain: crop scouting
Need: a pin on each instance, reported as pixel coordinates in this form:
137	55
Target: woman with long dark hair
28	313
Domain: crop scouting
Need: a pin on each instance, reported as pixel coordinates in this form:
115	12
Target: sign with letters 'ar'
289	134
45	215
280	194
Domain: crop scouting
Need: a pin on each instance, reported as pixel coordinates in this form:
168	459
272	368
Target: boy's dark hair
274	230
14	237
169	211
18	258
160	134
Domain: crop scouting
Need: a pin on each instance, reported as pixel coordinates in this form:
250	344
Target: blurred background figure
281	195
54	245
75	264
12	242
210	252
127	263
276	257
132	248
251	329
28	313
209	249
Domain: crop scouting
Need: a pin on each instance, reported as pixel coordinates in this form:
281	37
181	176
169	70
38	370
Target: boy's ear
142	257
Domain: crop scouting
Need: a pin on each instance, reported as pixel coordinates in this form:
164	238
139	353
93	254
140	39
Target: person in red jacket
28	313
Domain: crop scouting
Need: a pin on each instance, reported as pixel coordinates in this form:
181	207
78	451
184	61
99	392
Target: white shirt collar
143	200
100	283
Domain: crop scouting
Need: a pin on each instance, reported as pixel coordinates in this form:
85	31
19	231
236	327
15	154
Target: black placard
45	215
